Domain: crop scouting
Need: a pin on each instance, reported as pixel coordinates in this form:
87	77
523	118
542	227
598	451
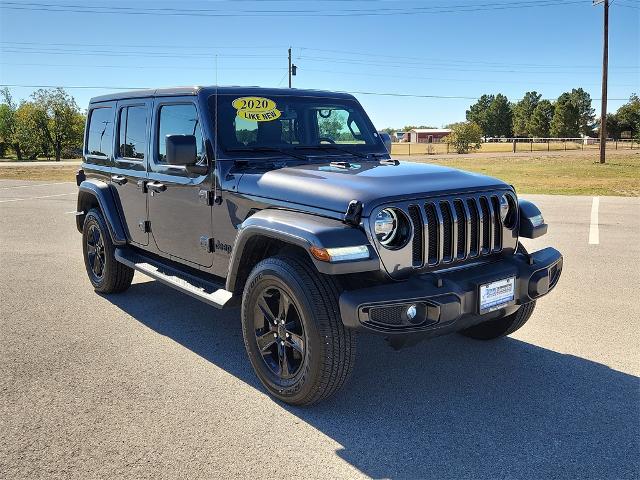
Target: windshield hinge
206	244
353	213
390	161
340	164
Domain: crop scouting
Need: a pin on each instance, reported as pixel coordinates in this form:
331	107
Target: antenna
216	198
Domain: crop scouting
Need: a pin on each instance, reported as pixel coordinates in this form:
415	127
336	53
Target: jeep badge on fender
287	203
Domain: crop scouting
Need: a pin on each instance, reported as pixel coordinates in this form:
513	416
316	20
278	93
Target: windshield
296	124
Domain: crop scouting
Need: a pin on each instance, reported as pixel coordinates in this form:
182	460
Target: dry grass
42	172
561	174
570	173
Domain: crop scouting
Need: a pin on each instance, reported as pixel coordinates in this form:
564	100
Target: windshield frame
311	151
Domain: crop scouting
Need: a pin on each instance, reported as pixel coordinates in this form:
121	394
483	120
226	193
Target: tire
504	326
106	274
294	372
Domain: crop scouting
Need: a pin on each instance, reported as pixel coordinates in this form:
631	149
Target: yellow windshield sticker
258	109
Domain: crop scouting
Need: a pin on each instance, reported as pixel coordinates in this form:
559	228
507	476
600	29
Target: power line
30	48
463	80
136	67
452	61
431	66
201	12
132	45
354	92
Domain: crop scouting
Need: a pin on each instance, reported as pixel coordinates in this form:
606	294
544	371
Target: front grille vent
455	229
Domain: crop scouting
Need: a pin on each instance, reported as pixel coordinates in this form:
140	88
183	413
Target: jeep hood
330	187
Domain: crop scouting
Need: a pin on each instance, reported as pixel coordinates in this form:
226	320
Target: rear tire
106	274
293	333
502	326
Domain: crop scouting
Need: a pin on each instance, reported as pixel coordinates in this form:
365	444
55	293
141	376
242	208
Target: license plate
497	294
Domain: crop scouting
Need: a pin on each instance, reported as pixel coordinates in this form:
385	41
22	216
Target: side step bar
209	292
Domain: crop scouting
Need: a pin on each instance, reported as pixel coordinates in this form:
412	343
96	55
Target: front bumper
449	301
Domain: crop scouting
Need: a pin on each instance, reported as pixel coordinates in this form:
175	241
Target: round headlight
386	226
504	207
507	210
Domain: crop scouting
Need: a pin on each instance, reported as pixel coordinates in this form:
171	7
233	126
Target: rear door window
100	135
133	132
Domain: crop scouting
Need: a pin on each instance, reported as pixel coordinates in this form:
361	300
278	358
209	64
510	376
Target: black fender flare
101	191
302	230
531	220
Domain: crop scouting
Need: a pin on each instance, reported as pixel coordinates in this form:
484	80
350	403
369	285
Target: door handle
156	187
119	179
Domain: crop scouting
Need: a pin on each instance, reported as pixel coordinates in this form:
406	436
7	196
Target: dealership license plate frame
496	302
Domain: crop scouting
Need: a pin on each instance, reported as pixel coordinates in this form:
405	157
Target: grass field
561	173
571	173
39	172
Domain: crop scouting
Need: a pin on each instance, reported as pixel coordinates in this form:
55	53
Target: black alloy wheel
95	251
292	330
279	332
106	274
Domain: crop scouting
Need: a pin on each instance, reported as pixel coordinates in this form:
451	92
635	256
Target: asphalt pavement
154	384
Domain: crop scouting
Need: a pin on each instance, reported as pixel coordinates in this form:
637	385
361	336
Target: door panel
129	174
178	211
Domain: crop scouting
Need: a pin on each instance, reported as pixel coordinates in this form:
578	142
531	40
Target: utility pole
292	68
605	70
289	67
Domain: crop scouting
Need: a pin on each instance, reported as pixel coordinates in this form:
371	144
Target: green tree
62	119
330	127
586	115
500	117
539	125
478	113
522	113
413	127
629	116
8	124
566	118
464	136
493	114
28	133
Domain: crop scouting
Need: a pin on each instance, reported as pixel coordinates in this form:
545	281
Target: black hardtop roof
247	91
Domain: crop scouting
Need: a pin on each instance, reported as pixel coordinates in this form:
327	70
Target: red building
427	135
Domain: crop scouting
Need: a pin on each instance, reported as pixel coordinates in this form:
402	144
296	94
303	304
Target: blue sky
462	48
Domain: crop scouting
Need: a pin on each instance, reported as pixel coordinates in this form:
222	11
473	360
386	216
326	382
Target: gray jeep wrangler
287	203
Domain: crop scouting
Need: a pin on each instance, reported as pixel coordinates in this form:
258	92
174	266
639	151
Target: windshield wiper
330	146
267	149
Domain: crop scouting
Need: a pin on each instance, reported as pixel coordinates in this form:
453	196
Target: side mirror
386	139
181	150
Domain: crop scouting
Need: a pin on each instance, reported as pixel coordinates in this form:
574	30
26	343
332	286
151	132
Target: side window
133	132
100	135
179	119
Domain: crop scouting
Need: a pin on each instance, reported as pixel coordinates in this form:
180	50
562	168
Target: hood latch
354	213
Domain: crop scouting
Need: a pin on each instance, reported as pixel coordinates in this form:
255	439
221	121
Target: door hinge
142	185
206	197
145	226
207	244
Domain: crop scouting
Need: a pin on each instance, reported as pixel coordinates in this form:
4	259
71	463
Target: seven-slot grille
455	229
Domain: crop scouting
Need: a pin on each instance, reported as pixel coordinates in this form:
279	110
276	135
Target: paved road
153	384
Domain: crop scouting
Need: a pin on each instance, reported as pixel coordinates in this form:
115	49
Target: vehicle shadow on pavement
447	408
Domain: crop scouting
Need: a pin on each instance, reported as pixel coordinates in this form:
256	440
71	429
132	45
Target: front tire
293	333
106	274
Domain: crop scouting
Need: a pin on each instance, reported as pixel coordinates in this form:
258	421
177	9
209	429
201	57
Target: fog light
411	312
